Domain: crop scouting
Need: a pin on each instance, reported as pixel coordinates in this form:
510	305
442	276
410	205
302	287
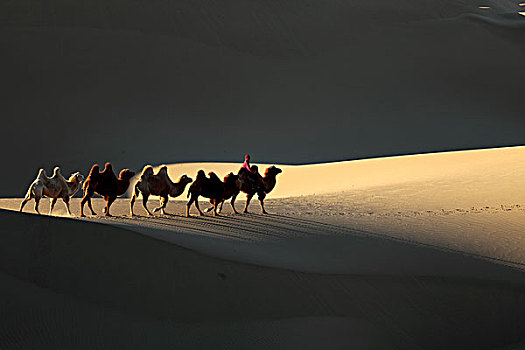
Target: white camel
53	187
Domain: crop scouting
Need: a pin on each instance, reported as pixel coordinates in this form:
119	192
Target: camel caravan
106	184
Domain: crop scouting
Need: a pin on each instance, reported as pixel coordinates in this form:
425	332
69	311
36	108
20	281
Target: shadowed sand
96	275
415	252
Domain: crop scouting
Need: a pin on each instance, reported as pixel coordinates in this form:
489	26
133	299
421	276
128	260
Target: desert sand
423	251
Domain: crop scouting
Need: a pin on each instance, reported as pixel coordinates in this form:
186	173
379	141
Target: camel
159	184
212	188
53	187
232	185
106	184
262	185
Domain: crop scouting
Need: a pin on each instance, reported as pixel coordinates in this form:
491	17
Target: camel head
272	171
184	179
76	177
125	174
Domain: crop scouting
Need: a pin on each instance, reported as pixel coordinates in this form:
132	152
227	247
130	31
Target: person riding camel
252	173
246	164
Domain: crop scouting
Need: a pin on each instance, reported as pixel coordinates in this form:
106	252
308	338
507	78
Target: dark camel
255	183
212	188
106	184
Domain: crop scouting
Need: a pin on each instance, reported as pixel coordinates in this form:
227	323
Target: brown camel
232	185
53	187
255	183
212	188
106	184
158	184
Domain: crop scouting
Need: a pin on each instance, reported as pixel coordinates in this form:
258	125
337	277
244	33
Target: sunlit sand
417	226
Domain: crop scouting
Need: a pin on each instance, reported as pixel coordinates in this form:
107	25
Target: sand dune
477	176
410	252
421	251
98	275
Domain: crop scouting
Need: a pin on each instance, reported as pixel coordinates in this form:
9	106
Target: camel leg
163	203
248	199
188	205
262	206
132	201
261	200
37	200
66	202
109	201
88	193
106	198
90	206
24	202
232	203
215	206
197	206
53	202
145	198
212	201
82	202
207	210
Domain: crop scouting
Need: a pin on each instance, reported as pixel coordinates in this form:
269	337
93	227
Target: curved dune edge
484	165
140	279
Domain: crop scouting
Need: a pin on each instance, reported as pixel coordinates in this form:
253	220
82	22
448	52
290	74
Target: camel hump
213	176
146	172
41	173
95	170
56	170
163	170
201	174
229	176
108	167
